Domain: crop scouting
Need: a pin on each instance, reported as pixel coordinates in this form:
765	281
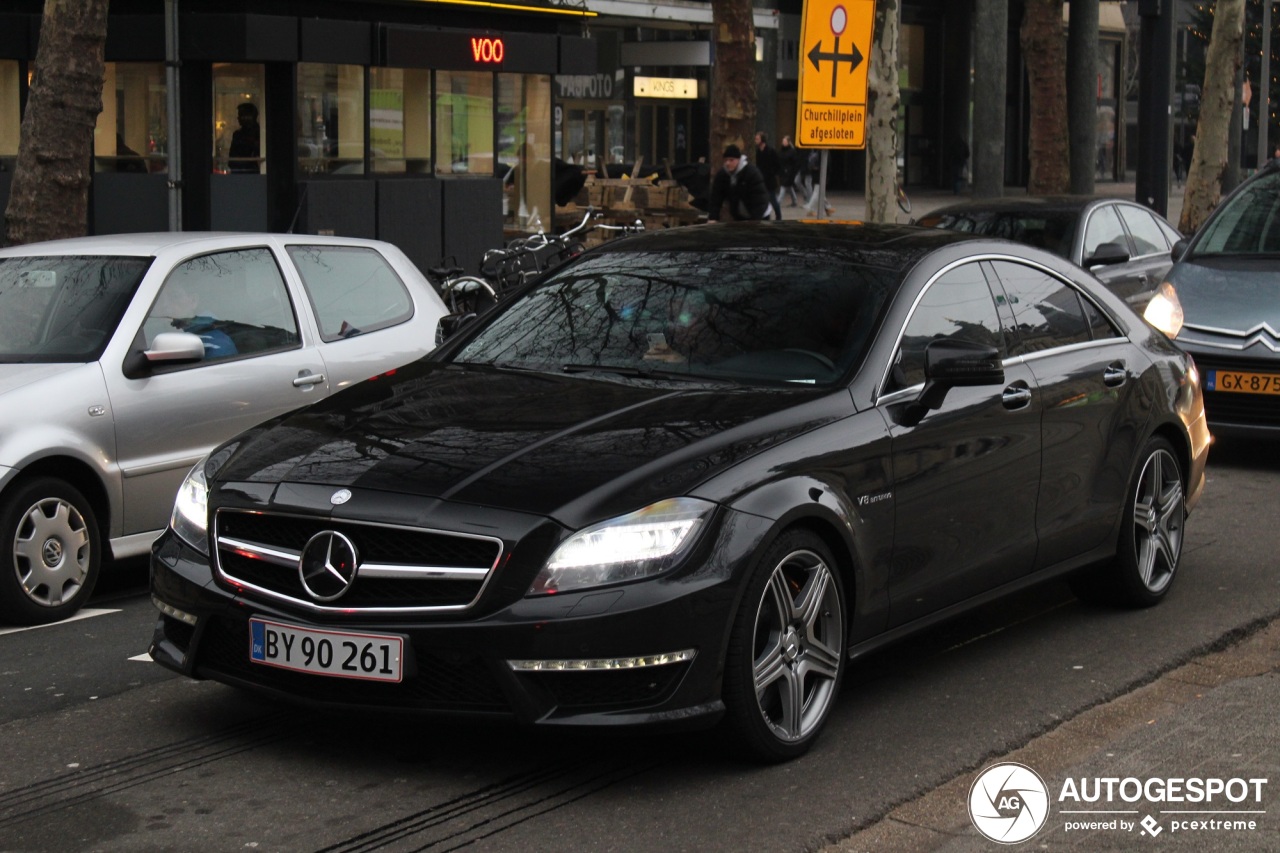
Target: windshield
55	309
1052	230
751	315
1248	223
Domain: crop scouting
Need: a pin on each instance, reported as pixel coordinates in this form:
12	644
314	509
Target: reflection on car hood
526	441
1237	294
14	376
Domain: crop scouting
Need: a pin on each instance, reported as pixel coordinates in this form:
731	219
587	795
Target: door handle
1017	396
305	379
1114	376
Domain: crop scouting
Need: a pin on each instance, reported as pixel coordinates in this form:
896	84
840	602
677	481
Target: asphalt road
104	752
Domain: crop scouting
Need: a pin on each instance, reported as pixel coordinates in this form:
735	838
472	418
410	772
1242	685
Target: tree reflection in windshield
751	315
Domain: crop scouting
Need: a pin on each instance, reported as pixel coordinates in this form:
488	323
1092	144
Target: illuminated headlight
638	545
1164	311
190	518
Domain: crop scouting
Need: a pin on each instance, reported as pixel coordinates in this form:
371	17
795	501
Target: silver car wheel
1158	514
797	656
52	552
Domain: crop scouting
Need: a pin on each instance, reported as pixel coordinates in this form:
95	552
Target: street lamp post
1264	84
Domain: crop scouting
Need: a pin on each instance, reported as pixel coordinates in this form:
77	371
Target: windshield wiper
637	372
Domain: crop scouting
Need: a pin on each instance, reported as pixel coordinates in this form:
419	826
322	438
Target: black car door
967	475
1085	370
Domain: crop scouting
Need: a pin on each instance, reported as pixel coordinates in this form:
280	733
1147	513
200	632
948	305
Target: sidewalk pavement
851	204
1216	717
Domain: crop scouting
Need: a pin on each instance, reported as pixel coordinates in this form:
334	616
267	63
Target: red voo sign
489	50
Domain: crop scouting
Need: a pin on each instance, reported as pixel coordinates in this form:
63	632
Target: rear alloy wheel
51	553
786	651
1151	536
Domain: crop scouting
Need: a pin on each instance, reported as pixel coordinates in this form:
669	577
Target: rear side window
1148	238
353	289
1046	312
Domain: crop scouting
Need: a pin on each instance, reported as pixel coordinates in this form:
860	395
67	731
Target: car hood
529	442
1236	294
15	376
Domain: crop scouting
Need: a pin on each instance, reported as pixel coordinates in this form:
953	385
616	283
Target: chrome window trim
879	397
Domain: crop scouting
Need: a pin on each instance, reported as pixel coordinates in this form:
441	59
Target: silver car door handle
1016	397
1114	375
305	379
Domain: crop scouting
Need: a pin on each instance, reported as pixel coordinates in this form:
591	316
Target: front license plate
1240	382
342	654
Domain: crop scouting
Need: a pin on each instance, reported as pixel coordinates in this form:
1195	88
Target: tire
1150	545
786	660
52	552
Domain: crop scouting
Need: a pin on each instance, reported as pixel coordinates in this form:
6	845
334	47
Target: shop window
132	130
330	118
524	150
239	119
400	120
10	107
464	123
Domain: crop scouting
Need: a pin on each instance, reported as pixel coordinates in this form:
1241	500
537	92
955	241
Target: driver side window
236	302
958	307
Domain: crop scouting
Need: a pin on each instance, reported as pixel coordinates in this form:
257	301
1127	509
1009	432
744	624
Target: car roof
869	244
154	242
1023	204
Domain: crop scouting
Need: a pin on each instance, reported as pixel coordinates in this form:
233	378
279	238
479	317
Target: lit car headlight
190	518
638	545
1164	311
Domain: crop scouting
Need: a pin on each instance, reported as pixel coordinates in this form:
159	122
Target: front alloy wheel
786	656
51	551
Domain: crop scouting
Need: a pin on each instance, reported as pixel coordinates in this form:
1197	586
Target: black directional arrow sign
835	57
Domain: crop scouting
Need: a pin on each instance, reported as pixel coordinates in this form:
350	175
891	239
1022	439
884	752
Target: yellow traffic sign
835	43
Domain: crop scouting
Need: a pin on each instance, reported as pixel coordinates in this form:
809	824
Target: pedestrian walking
771	167
792	174
815	185
741	186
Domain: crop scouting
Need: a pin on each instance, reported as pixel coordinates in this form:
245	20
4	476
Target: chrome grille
401	570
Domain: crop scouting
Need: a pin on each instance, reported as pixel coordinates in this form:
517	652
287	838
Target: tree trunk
1042	42
733	78
883	99
49	197
1217	98
990	56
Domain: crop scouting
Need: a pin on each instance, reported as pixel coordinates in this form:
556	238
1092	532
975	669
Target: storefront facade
425	124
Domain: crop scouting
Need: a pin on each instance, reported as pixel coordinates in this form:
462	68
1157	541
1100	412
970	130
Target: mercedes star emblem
327	565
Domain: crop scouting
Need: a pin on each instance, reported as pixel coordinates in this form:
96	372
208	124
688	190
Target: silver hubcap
51	552
1158	514
797	655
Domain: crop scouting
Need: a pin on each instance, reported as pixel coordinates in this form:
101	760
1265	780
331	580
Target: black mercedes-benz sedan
686	478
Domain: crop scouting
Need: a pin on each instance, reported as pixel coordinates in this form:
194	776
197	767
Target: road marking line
144	657
83	614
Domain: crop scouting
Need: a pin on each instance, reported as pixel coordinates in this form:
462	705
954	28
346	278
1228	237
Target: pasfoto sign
835	41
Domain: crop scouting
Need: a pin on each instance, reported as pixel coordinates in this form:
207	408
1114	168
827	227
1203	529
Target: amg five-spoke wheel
786	655
1150	545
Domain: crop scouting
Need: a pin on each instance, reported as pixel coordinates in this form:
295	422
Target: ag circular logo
1008	803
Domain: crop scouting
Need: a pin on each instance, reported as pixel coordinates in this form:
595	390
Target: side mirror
1180	249
449	325
1106	255
175	346
952	364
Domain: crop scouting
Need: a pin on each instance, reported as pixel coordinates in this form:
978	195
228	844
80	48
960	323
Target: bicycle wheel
903	201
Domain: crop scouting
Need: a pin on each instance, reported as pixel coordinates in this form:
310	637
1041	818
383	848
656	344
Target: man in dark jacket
740	185
771	167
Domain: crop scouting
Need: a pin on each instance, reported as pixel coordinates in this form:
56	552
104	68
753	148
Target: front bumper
1236	413
461	664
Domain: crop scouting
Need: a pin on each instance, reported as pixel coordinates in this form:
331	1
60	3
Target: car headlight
638	545
190	518
1164	311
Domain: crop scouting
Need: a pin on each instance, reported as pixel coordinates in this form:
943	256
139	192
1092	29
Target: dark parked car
687	478
1124	244
1225	290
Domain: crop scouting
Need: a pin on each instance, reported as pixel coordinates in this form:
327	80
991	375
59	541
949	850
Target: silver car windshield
748	315
1248	223
63	309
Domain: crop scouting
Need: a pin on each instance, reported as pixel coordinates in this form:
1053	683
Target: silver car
124	359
